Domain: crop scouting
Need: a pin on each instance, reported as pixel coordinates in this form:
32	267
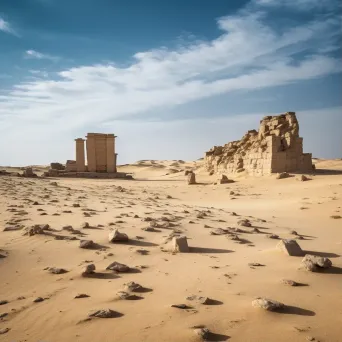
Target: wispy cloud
250	53
302	5
38	55
6	27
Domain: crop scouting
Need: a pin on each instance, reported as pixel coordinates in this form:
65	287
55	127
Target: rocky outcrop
275	148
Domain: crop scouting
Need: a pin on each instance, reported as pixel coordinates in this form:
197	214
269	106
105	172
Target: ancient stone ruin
276	147
100	155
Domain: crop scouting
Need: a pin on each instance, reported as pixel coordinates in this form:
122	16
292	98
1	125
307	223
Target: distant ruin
100	155
276	147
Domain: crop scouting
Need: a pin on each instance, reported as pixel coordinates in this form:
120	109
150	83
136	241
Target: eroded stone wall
276	147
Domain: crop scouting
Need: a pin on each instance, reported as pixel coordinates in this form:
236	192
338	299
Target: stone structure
99	150
276	147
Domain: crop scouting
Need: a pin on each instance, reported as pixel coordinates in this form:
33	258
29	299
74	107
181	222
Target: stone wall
276	147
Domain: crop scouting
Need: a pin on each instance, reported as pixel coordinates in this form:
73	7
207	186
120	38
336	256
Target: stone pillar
110	153
91	152
80	157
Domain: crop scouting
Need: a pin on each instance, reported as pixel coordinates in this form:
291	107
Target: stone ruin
275	148
99	154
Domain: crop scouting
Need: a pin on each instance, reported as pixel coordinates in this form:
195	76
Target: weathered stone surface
282	175
276	147
28	172
127	296
289	282
87	244
191	178
57	166
180	244
57	270
116	236
199	299
315	263
89	269
133	287
267	304
116	266
106	313
290	247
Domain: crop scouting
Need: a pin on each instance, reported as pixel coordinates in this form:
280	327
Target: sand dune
222	263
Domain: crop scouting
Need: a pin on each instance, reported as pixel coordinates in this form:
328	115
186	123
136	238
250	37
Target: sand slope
216	267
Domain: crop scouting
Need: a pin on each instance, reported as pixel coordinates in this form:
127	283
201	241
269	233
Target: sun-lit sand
217	266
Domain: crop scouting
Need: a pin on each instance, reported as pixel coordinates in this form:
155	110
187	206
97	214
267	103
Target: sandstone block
180	244
290	247
191	178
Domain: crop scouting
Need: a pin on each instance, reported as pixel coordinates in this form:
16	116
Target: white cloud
6	27
38	55
302	5
249	54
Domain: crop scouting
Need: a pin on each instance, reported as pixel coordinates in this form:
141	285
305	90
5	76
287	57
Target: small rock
3	302
38	300
255	264
116	236
315	263
267	304
4	331
304	178
289	282
81	295
191	178
180	244
282	175
57	270
203	333
89	269
180	306
244	223
133	287
290	247
76	205
127	296
107	313
272	236
116	266
199	299
87	244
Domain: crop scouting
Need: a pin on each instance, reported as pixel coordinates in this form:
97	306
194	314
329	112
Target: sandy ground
216	267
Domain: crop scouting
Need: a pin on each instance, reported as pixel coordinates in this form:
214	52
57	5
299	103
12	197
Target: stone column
110	153
91	152
80	157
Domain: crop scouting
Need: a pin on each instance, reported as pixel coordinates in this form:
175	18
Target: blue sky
170	78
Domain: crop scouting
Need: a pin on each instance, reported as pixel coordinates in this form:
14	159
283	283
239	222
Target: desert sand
230	269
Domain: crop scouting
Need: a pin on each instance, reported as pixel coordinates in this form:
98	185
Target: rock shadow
217	337
101	275
209	250
322	254
139	243
295	310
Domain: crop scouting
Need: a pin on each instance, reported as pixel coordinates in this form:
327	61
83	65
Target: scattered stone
38	300
282	175
116	266
199	299
76	205
89	269
57	270
219	231
127	296
315	263
267	304
244	223
304	178
290	247
116	236
203	333
223	179
272	236
3	315
81	295
133	287
180	244
107	313
85	225
191	178
180	306
289	282
255	264
3	302
87	244
4	331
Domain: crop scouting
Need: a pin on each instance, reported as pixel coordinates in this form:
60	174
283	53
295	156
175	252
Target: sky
170	78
